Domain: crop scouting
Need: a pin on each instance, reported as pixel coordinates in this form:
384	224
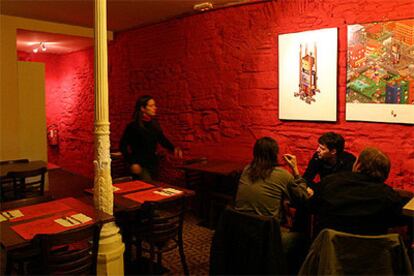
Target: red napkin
147	195
132	186
28	230
41	209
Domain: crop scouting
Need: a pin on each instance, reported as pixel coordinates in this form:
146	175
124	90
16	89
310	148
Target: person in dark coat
140	139
358	202
329	158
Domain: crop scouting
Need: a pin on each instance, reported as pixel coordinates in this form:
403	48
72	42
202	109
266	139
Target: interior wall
12	143
215	79
69	107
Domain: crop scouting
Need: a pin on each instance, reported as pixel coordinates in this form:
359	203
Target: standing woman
140	139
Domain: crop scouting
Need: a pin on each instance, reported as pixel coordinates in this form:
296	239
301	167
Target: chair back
28	183
7	191
119	167
165	220
72	252
340	253
247	244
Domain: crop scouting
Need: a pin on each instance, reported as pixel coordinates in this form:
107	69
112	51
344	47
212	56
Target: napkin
72	220
167	192
9	215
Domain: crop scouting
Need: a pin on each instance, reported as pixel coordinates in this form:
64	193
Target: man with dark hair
329	158
358	202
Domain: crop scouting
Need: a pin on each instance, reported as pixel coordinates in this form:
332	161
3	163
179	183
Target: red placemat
41	209
126	187
132	186
147	195
27	230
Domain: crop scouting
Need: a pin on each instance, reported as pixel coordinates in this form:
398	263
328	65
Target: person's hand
178	153
136	169
291	161
310	192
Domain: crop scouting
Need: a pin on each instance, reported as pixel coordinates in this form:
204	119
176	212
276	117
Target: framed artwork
380	72
307	75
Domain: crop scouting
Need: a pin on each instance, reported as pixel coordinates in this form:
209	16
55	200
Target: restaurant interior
214	69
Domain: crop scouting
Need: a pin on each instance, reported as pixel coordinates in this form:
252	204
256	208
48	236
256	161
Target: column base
111	251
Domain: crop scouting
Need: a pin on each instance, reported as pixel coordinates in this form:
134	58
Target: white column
111	248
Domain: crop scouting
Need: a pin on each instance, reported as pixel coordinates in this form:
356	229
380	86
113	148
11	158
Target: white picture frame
308	75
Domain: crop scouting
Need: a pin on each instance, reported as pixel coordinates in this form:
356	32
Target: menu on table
155	194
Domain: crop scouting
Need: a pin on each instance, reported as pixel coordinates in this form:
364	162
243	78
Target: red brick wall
215	79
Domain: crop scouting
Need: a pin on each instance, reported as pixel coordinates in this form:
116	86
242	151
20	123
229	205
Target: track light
42	46
203	6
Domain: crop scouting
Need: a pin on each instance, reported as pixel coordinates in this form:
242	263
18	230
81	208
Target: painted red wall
215	79
69	107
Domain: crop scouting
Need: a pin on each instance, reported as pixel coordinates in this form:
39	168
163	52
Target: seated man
358	202
329	158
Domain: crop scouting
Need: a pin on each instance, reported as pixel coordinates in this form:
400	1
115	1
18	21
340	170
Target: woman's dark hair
265	153
141	102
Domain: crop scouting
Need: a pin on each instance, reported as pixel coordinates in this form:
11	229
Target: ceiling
121	15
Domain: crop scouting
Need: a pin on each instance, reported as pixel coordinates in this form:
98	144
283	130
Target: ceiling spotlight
203	6
43	46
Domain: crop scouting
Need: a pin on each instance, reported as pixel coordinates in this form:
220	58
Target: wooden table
408	208
215	166
19	167
122	203
10	240
215	182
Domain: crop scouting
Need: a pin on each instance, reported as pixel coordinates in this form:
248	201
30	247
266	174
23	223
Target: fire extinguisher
53	135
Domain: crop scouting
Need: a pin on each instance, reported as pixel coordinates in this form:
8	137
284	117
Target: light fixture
203	6
42	46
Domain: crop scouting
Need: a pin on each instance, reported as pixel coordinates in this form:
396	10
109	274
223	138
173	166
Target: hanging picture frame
380	72
308	75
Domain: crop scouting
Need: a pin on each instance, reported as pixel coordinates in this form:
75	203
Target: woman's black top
139	143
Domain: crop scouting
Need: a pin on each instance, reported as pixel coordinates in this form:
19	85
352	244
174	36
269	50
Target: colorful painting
380	72
307	75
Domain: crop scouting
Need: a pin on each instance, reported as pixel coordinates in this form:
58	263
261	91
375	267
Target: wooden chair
7	191
247	244
28	183
161	231
339	253
72	252
119	167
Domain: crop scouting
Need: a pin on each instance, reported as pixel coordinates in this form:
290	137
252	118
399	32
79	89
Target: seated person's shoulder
348	156
281	172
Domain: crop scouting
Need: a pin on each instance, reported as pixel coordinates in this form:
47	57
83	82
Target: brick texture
215	79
